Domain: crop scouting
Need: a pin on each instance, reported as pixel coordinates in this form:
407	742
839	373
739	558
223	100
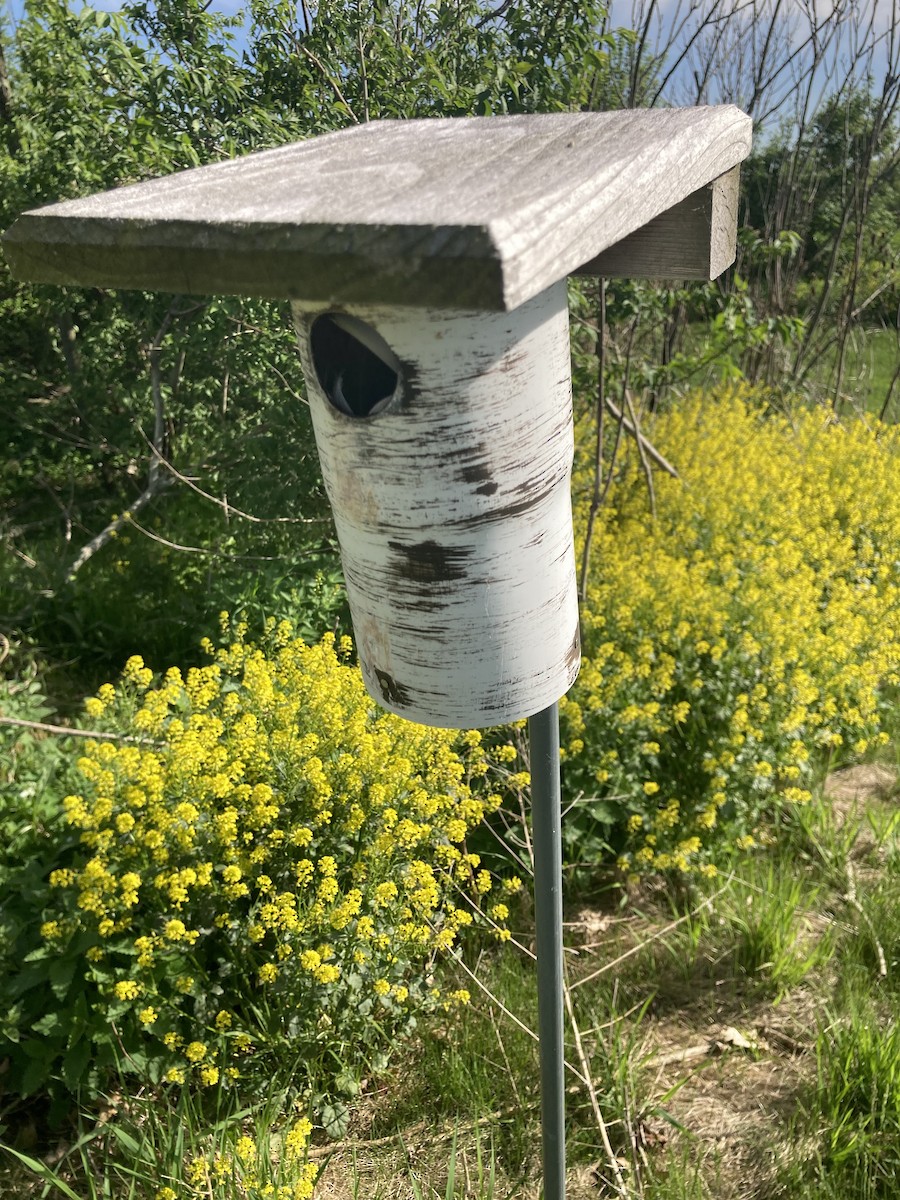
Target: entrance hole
356	368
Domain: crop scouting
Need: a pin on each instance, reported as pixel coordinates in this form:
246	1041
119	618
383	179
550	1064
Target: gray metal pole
543	732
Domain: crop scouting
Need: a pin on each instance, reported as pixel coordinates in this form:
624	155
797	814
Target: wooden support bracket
691	240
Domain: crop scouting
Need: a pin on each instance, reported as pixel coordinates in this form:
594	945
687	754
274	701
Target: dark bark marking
392	691
487	489
429	562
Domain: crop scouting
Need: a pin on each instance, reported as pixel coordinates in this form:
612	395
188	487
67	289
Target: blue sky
667	13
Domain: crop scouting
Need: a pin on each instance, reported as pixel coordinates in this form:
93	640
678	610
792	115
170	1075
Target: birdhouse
426	262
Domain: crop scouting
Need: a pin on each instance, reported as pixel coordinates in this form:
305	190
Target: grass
744	1046
869	366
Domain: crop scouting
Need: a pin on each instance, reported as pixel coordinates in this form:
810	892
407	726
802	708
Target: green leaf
48	1024
75	1063
335	1120
34	1075
61	974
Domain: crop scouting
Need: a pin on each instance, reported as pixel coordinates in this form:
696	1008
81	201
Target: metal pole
543	732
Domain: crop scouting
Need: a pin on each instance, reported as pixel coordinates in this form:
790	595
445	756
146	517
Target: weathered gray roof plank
461	213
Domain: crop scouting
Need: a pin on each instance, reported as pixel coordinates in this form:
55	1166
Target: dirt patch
866	781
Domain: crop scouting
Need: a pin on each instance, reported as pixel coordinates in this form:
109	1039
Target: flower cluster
273	1167
267	856
749	632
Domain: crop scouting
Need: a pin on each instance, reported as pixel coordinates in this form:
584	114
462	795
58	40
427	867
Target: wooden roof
480	213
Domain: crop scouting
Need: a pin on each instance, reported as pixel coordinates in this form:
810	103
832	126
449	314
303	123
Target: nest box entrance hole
355	367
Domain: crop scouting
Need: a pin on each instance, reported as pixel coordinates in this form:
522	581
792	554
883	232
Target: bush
268	867
737	641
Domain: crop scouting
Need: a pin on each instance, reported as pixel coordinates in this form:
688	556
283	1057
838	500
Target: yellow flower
127	989
245	1148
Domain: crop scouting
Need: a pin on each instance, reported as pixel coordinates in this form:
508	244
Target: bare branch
329	79
229	509
110	530
67	731
648	473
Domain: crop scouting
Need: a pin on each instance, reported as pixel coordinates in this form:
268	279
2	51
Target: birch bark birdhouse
426	263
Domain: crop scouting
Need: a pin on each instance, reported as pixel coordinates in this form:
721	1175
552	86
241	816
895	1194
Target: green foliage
767	935
739	640
99	387
264	871
857	1097
33	842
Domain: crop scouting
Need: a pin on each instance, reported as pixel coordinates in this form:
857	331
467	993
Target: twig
654	936
449	1130
110	530
26	558
229	508
853	901
509	1071
155	537
618	1178
329	80
293	394
643	442
364	78
480	911
648	473
155	482
499	1003
66	731
512	1016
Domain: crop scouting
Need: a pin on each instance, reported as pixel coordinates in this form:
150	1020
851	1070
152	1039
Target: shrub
268	867
750	630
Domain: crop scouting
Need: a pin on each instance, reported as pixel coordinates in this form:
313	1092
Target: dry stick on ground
618	1178
854	902
447	1131
655	936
